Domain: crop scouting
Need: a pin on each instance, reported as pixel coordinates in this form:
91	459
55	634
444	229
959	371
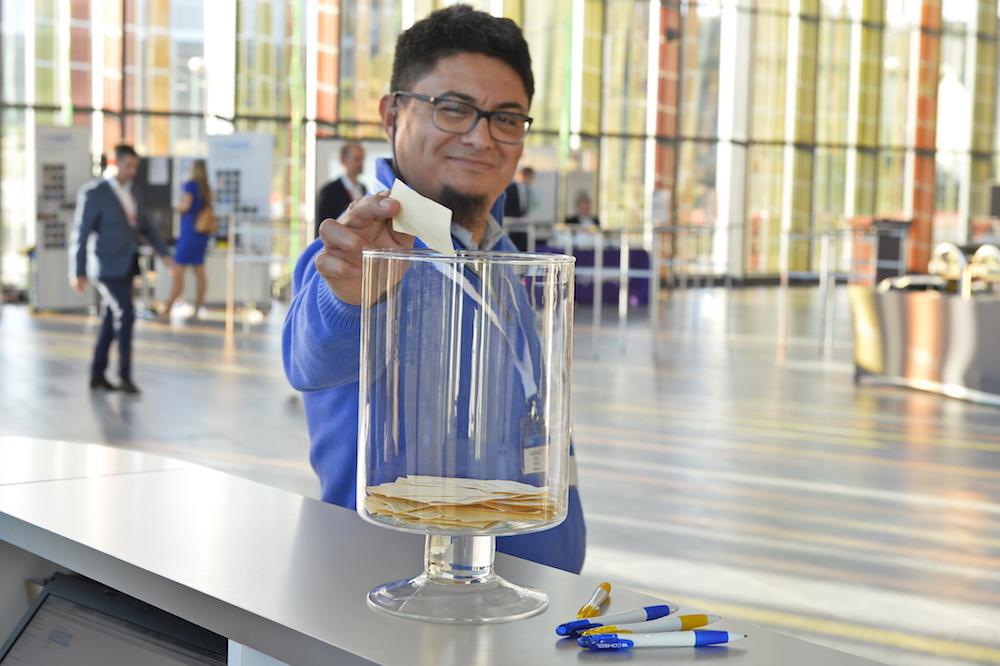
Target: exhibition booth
936	332
608	258
243	254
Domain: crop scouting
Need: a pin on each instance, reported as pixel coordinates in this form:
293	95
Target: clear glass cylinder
464	409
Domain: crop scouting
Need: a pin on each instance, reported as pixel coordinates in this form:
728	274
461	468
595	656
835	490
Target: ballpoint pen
593	606
671	639
643	614
668	623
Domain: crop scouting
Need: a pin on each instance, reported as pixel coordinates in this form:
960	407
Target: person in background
109	223
191	245
584	212
519	201
337	195
456	120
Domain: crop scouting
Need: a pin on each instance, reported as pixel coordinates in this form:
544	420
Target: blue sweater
321	348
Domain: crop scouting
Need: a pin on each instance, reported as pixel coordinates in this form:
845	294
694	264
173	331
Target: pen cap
575	627
464	391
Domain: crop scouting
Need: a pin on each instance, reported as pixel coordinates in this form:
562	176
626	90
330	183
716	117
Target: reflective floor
727	459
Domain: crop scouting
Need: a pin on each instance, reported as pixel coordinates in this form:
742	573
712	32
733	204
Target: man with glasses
456	120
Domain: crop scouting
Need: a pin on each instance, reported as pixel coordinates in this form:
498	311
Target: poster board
63	164
240	168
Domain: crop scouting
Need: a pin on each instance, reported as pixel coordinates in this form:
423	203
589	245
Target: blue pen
694	638
668	623
577	627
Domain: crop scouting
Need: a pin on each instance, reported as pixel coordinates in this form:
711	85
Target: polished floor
727	459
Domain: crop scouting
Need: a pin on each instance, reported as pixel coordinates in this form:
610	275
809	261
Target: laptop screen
76	621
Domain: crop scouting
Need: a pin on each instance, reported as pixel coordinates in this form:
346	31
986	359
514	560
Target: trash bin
890	260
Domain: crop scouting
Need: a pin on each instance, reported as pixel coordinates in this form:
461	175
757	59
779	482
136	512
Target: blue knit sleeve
321	338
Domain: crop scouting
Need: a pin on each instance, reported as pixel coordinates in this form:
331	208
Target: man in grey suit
108	225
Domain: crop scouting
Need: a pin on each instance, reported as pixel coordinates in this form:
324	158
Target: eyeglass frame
480	114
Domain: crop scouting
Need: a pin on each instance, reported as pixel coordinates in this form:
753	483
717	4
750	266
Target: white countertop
287	575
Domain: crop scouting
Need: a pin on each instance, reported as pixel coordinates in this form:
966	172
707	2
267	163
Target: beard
468	209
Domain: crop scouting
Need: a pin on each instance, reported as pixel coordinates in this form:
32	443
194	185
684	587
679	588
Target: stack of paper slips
459	503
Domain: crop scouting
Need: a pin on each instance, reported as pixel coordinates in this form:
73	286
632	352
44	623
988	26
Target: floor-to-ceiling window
764	122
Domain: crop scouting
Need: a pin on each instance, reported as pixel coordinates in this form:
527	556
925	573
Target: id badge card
534	446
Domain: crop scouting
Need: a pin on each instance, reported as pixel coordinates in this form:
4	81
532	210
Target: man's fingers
366	224
79	285
336	236
362	212
337	265
360	225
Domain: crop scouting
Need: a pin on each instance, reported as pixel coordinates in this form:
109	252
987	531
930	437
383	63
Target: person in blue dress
191	245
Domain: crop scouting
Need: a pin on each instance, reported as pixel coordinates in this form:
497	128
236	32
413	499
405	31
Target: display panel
76	621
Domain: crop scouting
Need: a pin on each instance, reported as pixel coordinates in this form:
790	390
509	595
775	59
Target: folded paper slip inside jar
459	503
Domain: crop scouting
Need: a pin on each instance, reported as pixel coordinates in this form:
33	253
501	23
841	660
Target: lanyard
522	360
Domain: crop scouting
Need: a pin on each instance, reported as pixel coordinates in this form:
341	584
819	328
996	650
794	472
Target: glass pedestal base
458	586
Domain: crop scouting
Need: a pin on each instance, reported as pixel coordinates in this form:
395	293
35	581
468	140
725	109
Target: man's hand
168	261
366	224
79	284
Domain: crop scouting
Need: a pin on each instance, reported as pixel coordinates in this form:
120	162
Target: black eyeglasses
456	117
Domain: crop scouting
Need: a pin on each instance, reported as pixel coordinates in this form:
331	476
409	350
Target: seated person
584	212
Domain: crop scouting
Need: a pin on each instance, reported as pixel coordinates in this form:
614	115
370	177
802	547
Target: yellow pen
593	606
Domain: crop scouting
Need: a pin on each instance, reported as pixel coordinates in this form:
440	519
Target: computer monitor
80	622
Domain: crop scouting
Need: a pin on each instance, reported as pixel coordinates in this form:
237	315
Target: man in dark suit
518	192
337	195
518	204
584	212
109	223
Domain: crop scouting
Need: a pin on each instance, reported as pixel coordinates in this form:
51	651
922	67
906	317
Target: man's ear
387	110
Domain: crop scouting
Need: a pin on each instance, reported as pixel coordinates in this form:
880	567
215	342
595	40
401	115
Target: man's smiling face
438	164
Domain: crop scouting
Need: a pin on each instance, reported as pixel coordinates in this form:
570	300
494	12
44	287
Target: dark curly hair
454	30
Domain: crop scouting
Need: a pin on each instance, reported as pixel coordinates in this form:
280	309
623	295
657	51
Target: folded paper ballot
422	217
459	503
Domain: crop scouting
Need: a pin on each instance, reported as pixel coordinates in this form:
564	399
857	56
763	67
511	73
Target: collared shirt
491	236
353	189
124	194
